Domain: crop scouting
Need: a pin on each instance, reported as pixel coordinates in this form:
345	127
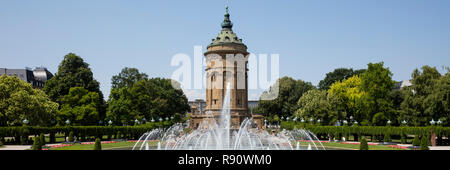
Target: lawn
105	146
356	146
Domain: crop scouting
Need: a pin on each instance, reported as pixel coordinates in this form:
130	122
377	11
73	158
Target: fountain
217	135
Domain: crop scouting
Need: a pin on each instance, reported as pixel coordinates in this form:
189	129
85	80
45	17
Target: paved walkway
15	147
439	147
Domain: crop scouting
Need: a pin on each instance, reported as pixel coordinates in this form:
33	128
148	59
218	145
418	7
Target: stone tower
226	62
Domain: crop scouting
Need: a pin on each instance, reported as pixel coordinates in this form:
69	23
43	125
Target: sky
312	37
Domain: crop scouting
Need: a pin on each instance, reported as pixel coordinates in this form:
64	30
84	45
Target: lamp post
25	121
100	122
287	119
404	122
389	122
136	121
355	123
345	122
160	119
67	122
167	118
432	122
439	122
152	120
318	121
110	122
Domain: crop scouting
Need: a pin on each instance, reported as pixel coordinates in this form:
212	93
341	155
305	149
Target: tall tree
19	101
314	104
377	83
427	98
145	98
289	92
74	72
127	78
345	97
80	107
338	74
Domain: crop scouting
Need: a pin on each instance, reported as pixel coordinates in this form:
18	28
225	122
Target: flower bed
59	145
357	143
91	143
397	146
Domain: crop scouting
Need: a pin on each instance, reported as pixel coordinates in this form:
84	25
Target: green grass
104	146
356	147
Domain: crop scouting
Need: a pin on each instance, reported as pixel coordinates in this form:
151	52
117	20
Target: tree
80	106
377	83
19	101
285	104
147	98
314	104
338	74
127	78
427	98
74	72
346	97
121	108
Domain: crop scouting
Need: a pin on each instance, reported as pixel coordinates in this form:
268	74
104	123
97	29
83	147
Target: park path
15	147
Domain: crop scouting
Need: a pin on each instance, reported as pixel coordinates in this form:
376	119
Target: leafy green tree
314	104
74	72
345	97
285	104
127	78
80	106
339	74
377	84
19	101
147	98
427	98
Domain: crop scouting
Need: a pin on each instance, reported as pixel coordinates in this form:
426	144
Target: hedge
129	132
369	130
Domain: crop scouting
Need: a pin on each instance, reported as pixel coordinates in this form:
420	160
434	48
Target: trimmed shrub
71	136
416	141
42	139
119	135
98	144
363	144
424	143
387	138
403	138
36	144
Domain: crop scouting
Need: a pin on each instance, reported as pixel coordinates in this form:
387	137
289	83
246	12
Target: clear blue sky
313	37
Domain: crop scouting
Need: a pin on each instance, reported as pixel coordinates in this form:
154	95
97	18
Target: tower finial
227	22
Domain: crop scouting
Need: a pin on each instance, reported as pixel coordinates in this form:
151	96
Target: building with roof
36	77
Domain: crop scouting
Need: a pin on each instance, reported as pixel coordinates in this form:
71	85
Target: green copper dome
226	35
